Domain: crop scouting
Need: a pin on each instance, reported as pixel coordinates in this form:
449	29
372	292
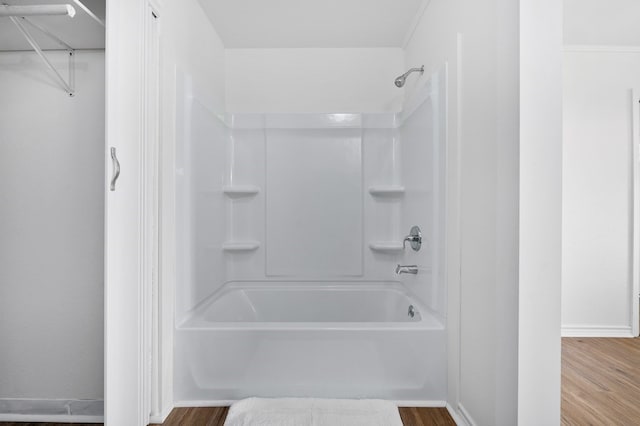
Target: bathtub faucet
407	269
414	238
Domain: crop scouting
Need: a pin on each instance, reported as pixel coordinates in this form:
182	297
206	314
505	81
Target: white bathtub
338	340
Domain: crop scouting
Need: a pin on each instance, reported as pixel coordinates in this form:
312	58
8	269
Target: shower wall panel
312	197
245	210
314	202
423	147
382	169
200	176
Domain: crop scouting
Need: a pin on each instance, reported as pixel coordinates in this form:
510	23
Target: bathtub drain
411	312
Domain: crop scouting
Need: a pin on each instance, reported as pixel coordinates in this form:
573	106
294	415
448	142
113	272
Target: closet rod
89	12
37	10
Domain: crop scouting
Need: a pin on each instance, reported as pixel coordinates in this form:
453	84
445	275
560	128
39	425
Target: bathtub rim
429	319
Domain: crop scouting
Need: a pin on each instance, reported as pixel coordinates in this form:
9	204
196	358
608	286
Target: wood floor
425	416
215	417
600	381
212	416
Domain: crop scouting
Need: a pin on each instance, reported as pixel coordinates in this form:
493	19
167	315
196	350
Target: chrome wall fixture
414	238
403	78
407	269
116	169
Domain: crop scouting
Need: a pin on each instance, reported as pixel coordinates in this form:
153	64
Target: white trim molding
596	331
420	403
414	23
51	410
601	48
50	418
457	417
635	213
461	416
162	417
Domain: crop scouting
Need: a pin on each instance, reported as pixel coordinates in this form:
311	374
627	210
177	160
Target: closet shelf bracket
66	86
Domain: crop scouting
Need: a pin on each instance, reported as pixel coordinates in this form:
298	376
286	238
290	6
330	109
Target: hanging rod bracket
66	86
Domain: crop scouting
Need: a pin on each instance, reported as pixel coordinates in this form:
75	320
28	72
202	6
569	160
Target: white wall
598	191
539	354
478	41
602	22
540	191
189	44
52	228
313	80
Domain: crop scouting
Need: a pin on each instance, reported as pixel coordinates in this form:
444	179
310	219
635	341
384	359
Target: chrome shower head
403	78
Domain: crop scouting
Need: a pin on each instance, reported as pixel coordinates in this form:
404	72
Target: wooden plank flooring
215	417
600	381
425	416
209	416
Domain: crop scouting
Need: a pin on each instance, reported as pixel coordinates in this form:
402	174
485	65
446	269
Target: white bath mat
313	412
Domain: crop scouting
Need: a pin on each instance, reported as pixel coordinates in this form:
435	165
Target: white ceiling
80	32
313	23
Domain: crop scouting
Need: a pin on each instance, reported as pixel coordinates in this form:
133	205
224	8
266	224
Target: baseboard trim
465	416
596	331
205	403
51	410
418	403
162	417
459	421
49	418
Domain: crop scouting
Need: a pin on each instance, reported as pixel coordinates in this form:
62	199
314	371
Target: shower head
403	78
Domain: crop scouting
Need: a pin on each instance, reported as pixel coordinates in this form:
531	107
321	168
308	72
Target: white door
125	388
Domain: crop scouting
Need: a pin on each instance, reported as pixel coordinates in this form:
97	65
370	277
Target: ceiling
313	23
80	32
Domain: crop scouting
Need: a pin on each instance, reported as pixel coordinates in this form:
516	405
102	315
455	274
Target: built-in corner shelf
240	190
238	246
386	190
386	246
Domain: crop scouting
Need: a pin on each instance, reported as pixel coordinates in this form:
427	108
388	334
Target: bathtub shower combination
300	271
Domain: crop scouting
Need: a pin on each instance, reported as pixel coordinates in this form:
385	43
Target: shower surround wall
296	214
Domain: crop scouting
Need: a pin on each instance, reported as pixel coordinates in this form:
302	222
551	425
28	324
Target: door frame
152	146
635	214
